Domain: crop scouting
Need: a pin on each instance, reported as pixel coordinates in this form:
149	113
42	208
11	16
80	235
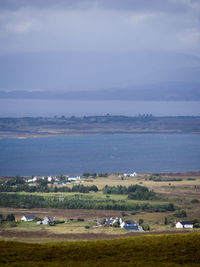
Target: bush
116	224
146	227
80	220
180	214
194	200
141	221
124	213
191	179
87	227
13	224
59	222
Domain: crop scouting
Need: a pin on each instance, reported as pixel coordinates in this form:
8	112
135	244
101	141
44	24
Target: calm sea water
38	108
100	153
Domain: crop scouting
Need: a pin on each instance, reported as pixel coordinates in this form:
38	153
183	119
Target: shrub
13	224
141	221
80	220
180	214
146	227
116	224
59	222
194	200
87	227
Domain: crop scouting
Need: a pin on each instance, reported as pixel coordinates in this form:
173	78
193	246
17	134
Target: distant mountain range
171	91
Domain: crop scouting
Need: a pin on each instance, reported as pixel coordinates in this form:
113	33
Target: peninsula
107	124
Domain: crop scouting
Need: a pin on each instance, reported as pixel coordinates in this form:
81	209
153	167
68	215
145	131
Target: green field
162	250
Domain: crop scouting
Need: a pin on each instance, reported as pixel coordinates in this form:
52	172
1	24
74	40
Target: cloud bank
101	25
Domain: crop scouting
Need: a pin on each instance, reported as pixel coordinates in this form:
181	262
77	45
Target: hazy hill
171	91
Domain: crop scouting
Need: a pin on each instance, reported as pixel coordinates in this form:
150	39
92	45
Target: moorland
75	238
158	201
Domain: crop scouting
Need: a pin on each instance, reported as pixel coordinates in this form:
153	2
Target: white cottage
184	224
28	218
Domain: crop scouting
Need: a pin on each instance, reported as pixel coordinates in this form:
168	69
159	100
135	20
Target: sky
93	44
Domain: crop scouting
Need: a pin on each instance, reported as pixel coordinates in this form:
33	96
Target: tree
1	217
141	221
10	217
116	224
93	188
146	227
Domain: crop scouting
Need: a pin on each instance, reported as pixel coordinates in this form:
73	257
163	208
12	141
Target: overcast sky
100	25
85	44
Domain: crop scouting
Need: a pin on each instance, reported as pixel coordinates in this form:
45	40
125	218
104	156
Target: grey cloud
133	5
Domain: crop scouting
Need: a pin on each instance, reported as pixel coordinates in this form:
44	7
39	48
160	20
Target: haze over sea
50	108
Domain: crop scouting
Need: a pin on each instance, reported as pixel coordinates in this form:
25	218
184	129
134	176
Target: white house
74	178
131	225
184	224
28	218
130	174
49	220
49	178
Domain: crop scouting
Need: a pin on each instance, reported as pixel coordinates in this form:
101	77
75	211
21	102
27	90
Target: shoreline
17	136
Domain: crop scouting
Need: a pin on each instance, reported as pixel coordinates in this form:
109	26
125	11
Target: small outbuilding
184	224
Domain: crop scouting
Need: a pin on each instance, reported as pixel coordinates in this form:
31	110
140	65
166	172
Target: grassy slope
163	250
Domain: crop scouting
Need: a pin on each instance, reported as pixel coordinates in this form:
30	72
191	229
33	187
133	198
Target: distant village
62	180
129	224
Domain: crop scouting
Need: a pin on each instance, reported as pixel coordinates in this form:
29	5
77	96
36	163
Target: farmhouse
127	225
184	224
131	225
28	218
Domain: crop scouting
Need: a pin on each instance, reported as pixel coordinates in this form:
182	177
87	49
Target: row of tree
46	189
77	202
136	192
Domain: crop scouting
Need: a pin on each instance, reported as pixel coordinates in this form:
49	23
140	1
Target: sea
73	155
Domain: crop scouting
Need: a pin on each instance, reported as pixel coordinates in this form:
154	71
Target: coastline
48	135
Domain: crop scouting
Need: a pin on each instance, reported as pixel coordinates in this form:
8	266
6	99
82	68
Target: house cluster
46	220
70	180
56	180
130	224
184	224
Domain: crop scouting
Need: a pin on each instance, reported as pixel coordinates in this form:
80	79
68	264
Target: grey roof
133	227
186	222
30	217
130	221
